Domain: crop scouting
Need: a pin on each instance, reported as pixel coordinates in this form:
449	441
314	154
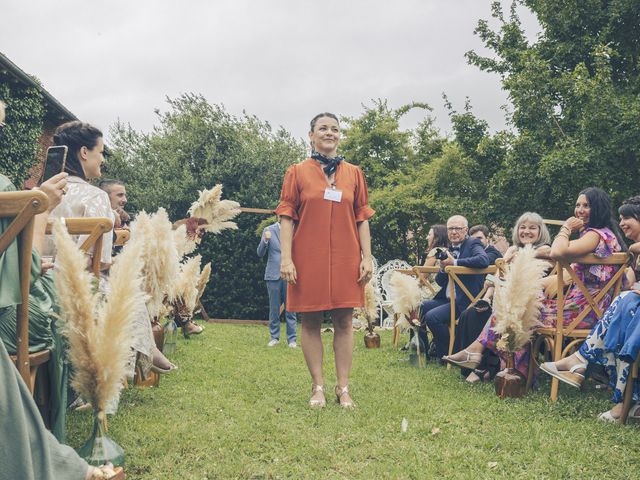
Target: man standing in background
276	286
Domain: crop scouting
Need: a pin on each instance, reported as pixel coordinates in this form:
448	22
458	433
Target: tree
576	103
25	115
195	146
375	142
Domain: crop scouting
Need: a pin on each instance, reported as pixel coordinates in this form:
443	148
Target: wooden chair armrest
122	236
471	271
427	270
85	226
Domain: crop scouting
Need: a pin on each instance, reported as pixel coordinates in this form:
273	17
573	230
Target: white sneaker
293	345
273	342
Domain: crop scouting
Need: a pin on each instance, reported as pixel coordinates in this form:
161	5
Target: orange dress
326	245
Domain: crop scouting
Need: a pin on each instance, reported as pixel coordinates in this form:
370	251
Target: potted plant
516	306
98	329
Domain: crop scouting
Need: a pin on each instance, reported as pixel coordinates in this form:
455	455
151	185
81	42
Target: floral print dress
594	277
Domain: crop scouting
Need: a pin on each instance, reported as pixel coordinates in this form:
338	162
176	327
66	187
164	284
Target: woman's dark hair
314	120
76	135
440	237
601	215
630	208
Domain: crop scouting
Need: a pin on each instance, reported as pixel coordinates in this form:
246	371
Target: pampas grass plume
215	211
517	300
159	257
204	279
99	331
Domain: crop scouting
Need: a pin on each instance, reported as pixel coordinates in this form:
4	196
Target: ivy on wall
19	144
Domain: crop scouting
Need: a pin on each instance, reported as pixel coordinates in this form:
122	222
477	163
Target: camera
441	253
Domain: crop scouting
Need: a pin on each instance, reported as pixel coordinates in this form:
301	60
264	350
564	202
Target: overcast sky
282	60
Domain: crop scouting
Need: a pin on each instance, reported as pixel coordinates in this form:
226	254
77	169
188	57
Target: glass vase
99	448
170	336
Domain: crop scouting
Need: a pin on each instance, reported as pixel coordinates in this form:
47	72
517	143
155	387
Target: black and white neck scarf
331	164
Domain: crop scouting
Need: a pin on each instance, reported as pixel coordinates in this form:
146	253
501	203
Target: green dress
43	333
29	451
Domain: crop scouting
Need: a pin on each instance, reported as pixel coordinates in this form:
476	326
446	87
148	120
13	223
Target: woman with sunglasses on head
326	250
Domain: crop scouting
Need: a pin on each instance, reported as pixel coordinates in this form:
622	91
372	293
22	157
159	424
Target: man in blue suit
277	288
463	251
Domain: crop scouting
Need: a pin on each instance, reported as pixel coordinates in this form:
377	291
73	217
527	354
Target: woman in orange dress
326	250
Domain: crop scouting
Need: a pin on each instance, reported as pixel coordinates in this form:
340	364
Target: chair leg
396	331
557	355
628	394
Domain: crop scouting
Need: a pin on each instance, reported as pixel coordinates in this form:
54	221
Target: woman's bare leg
343	344
312	344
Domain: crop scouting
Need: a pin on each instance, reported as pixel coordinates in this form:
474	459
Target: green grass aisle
237	409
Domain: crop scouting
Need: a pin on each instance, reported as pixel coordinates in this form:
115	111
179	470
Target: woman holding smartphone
85	157
326	250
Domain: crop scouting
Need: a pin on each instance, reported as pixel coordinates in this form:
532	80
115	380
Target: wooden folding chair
23	207
421	273
555	337
627	402
94	227
454	279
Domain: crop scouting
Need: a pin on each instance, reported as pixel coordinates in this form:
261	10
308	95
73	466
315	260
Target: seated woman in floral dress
598	234
615	340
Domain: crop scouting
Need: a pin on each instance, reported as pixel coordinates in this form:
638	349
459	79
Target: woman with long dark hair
436	238
614	341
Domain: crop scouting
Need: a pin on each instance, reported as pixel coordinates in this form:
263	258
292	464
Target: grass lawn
237	409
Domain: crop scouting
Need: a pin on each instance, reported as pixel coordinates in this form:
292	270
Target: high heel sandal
340	393
317	402
471	359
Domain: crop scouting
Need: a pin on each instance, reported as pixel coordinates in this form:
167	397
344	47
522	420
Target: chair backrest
454	278
422	272
385	275
22	207
95	228
613	286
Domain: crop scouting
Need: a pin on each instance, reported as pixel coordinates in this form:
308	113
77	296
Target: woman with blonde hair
528	230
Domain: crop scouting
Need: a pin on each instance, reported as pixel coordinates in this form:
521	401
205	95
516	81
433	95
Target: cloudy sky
282	60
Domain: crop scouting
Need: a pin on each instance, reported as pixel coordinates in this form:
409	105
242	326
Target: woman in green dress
43	333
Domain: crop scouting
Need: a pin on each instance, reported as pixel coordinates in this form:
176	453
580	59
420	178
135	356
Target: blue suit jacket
272	271
472	255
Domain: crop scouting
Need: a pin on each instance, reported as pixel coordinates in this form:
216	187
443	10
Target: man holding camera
463	251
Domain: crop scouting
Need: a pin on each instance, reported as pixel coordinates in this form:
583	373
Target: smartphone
55	162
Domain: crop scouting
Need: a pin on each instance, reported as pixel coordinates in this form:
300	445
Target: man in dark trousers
277	287
463	251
